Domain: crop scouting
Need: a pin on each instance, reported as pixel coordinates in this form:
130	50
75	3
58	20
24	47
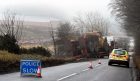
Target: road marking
85	70
67	76
75	73
97	65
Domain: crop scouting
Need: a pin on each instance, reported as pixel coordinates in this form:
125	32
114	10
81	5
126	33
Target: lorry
91	44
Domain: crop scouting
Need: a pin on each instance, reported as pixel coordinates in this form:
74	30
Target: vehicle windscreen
119	52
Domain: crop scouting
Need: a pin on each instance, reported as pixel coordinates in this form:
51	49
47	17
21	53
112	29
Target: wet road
77	72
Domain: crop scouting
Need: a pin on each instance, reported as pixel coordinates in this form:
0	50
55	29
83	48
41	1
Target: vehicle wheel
109	63
127	65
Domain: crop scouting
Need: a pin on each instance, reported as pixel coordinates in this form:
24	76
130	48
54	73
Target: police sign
29	67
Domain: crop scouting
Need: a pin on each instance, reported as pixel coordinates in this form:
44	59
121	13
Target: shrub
36	50
24	51
9	43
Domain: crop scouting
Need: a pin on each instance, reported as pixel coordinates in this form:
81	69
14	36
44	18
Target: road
77	72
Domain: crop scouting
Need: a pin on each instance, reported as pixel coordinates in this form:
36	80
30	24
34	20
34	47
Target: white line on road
74	74
85	70
67	76
96	65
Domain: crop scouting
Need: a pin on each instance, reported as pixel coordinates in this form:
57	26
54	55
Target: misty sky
57	9
42	10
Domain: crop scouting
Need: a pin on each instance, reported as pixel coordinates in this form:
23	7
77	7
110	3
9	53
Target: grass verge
11	62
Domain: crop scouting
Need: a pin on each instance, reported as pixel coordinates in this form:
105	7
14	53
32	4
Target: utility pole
114	42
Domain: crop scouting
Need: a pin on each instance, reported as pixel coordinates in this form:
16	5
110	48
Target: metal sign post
29	67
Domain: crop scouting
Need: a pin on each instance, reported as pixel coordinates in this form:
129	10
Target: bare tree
12	25
65	33
53	36
80	22
92	22
11	32
128	13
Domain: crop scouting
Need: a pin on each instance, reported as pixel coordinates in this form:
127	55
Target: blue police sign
29	67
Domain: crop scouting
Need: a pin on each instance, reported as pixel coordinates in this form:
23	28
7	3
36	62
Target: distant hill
38	30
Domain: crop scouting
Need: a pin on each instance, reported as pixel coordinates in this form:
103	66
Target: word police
29	67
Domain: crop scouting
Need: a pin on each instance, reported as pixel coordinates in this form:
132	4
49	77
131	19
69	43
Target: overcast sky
57	9
41	10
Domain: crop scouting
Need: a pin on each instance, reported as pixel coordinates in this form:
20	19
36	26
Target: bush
40	50
24	51
9	43
36	50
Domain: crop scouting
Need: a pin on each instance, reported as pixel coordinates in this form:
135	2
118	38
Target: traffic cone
39	72
99	62
90	65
